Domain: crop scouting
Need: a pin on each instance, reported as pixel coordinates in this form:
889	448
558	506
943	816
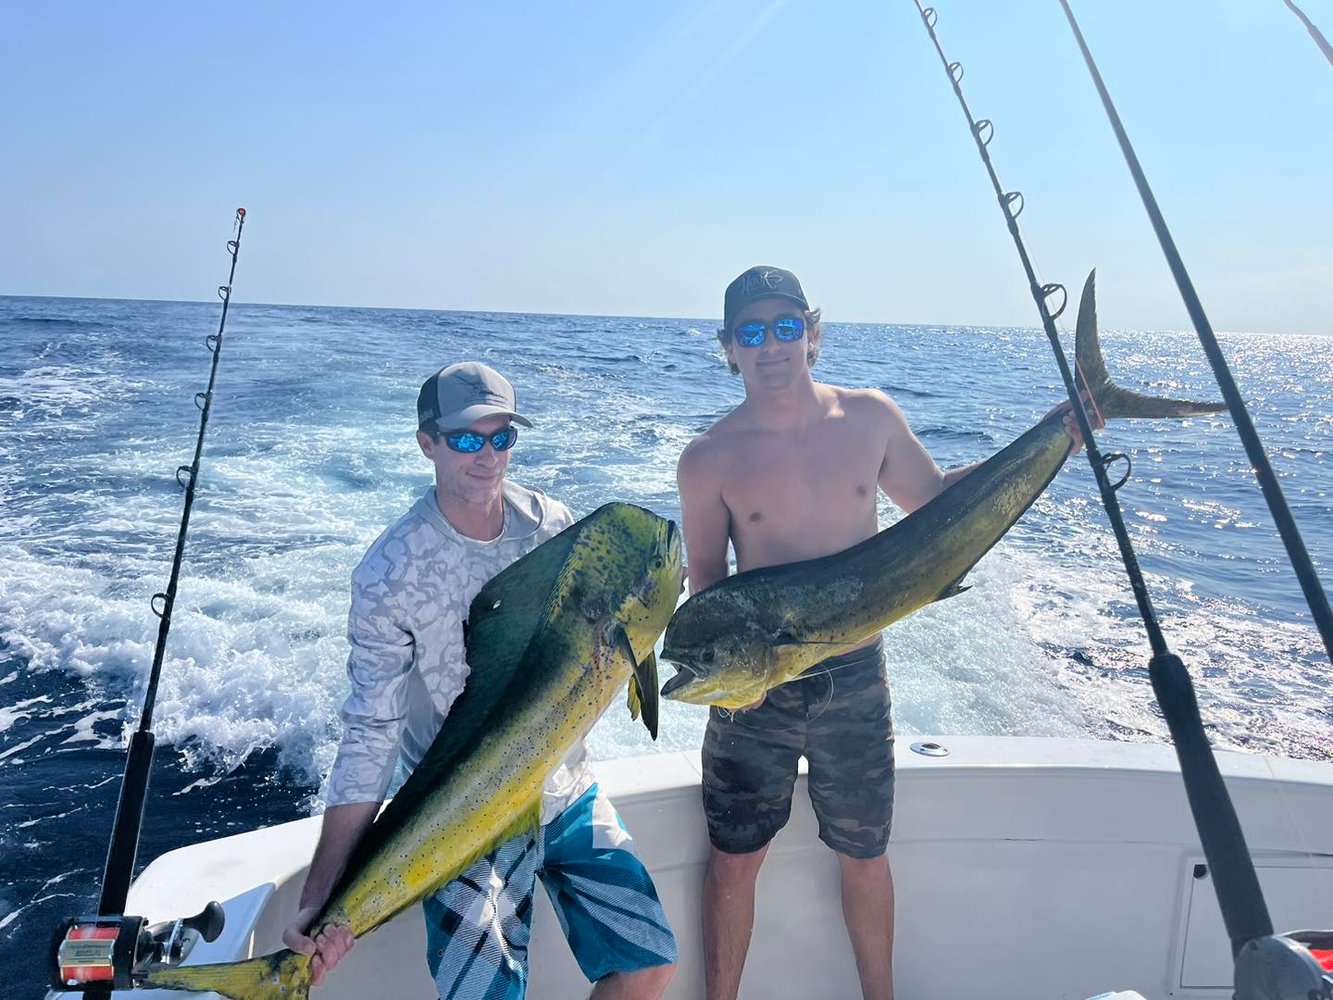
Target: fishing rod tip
241	212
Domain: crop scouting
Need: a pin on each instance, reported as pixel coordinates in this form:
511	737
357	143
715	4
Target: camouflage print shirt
410	595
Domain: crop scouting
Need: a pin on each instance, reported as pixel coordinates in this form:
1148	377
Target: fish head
639	563
650	604
716	662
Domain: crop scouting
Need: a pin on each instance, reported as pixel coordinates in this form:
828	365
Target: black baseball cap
761	282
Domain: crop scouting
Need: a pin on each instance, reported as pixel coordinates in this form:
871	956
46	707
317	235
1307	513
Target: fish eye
657	563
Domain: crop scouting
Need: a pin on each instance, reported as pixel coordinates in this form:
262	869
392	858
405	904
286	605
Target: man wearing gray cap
410	596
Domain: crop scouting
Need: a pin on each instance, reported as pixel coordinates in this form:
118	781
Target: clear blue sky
630	158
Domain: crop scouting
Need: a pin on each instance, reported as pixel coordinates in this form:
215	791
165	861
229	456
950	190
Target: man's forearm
953	475
342	830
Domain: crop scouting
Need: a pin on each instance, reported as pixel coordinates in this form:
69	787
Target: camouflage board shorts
836	716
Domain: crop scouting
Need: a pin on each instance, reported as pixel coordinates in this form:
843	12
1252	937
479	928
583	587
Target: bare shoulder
871	405
706	456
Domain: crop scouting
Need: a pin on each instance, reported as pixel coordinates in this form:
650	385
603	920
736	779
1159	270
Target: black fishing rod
1254	449
1253	942
1235	882
1011	205
96	954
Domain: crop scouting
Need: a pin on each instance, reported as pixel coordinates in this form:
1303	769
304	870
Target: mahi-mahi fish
550	640
750	632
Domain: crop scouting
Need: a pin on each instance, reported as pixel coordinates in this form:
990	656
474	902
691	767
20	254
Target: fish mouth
684	678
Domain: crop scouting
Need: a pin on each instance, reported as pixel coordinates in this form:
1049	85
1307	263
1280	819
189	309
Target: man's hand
329	947
1071	422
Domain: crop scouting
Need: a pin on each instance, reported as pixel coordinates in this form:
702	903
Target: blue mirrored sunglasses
785	328
471	442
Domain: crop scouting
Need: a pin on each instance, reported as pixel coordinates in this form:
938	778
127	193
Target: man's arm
342	830
706	521
908	475
953	475
373	717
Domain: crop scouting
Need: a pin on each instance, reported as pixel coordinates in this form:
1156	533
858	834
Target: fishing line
734	715
853	658
1244	910
128	821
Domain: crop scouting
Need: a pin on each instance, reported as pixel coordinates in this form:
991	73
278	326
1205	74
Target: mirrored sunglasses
785	329
471	442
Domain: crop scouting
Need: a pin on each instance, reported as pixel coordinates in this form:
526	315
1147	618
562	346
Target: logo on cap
757	281
482	392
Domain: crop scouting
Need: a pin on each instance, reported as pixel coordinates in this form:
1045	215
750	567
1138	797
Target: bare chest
792	499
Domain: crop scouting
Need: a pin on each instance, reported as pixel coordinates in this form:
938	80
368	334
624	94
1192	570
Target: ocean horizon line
708	323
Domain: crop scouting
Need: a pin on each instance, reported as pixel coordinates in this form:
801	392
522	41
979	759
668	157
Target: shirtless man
792	474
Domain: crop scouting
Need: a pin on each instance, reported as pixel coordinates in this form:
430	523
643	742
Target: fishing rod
98	953
1315	33
1235	882
1254	449
1251	949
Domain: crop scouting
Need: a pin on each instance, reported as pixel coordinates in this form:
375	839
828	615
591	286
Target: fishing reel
1297	965
117	952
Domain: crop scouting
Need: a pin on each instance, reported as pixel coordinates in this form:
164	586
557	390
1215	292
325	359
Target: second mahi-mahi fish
550	640
749	633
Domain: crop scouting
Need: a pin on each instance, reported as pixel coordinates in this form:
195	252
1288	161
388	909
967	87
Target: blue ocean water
310	453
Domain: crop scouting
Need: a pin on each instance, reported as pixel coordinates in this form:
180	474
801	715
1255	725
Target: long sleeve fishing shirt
410	596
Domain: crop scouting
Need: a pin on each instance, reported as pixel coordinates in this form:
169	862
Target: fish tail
283	975
1108	397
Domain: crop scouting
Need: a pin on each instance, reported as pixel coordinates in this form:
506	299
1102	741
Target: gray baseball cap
460	394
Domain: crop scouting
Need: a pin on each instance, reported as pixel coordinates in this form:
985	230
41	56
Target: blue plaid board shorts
478	925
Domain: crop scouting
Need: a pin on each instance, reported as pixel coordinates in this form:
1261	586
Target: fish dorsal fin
642	694
510	609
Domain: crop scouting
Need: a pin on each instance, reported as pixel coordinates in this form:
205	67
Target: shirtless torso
792	473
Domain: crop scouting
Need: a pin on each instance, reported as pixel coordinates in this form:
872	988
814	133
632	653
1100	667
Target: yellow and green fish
753	631
550	640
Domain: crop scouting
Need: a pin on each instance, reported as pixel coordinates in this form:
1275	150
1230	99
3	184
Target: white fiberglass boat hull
1031	869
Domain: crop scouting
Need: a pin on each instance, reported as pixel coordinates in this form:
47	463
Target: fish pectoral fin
632	698
953	589
619	640
643	680
642	694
